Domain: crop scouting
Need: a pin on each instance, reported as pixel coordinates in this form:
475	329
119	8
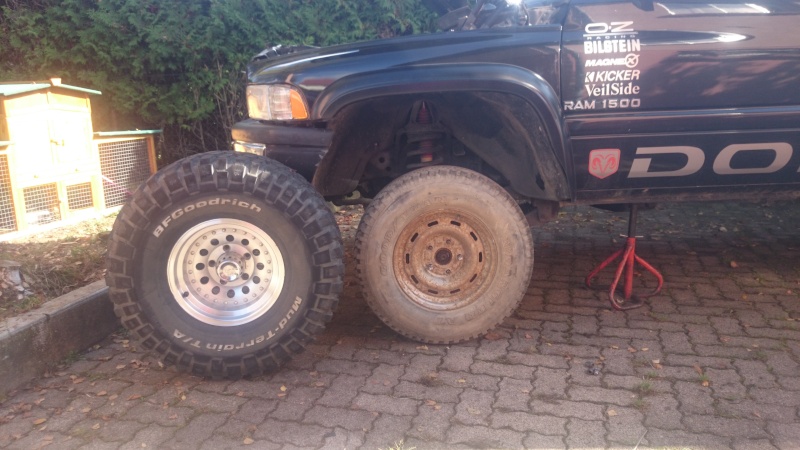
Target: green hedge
177	64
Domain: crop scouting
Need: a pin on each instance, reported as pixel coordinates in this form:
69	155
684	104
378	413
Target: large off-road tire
225	264
444	254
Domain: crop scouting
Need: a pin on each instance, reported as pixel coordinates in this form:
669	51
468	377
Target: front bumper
300	148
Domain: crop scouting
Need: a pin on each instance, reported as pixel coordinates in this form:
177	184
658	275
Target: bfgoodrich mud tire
225	264
444	254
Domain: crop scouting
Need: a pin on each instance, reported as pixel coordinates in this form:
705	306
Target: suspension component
423	139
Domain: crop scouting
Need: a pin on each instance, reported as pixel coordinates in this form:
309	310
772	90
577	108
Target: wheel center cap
443	256
229	271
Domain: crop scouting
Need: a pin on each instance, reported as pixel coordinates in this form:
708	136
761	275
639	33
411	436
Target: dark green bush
178	64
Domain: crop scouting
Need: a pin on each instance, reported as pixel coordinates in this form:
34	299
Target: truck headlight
275	102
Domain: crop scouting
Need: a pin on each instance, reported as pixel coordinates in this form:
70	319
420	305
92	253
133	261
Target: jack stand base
628	259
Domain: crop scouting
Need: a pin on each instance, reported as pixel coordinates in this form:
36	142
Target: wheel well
499	135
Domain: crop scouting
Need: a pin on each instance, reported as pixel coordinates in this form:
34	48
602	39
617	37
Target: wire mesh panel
41	204
124	165
8	222
79	196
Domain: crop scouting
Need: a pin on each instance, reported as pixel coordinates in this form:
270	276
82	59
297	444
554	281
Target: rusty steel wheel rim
442	260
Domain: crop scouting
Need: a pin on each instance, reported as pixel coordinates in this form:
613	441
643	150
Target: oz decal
604	162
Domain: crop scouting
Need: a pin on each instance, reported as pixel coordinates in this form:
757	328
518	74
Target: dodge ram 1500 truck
227	263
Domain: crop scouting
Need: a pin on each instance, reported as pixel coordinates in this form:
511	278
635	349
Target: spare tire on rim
444	254
225	264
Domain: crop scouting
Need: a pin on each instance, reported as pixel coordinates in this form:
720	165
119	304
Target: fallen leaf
96	426
47	438
248	441
39	421
437	407
134	397
528	336
319	384
645	349
422	347
113	397
102	393
631	349
492	336
86	410
474	411
430	402
121	366
698	369
615	347
240	394
461	380
281	395
612	413
78	380
705	383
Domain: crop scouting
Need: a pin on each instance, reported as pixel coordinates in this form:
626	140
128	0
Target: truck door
675	98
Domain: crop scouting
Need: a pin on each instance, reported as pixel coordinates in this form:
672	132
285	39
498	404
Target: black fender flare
466	77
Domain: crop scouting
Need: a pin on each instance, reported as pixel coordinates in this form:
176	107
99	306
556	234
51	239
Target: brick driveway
710	363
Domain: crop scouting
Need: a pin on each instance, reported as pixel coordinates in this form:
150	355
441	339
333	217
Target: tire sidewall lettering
186	337
177	213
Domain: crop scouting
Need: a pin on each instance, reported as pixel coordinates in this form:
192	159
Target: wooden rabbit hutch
53	167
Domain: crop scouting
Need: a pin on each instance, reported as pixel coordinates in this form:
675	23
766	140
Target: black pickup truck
227	263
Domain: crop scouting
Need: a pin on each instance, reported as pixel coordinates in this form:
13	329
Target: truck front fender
540	173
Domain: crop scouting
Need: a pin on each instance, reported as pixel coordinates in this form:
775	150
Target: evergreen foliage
178	64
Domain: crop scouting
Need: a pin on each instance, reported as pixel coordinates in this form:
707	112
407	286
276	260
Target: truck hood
314	69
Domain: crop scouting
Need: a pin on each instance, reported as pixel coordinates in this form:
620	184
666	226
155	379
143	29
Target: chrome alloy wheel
225	272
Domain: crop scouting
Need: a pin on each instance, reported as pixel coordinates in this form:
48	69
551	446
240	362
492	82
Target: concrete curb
35	341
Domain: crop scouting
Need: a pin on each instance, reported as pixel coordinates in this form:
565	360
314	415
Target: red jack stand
625	268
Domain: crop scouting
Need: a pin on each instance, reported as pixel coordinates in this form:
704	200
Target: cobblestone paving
713	362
